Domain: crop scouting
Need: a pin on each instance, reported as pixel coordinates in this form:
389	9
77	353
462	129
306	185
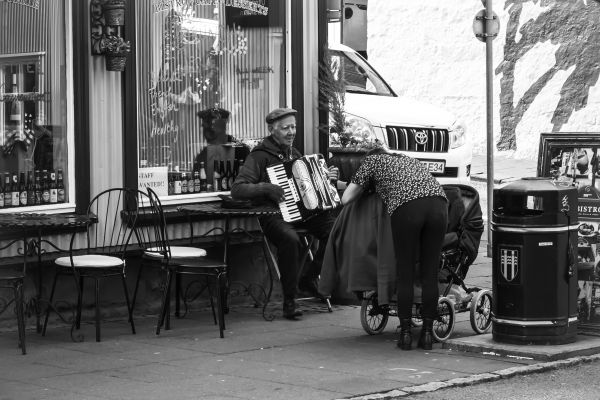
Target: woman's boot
426	338
405	339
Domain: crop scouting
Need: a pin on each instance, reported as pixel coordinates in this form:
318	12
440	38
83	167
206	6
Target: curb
478	378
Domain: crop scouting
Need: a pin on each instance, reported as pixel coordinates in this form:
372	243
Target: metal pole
489	71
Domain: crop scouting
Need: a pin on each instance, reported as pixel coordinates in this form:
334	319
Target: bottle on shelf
224	177
176	181
60	187
7	190
45	187
170	181
53	188
190	183
15	190
184	183
216	177
37	187
202	178
1	192
22	190
30	189
197	188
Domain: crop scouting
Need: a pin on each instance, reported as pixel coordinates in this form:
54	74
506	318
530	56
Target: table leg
226	261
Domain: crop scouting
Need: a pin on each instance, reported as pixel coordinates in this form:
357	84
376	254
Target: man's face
284	130
215	130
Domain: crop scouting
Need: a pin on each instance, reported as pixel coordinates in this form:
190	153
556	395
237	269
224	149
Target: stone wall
546	61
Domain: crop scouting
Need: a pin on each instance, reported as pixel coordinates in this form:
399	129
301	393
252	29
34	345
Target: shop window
35	132
207	73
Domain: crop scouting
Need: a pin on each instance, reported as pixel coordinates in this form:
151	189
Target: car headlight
458	134
359	129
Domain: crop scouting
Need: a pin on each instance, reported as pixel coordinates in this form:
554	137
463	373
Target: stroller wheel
373	317
481	311
443	325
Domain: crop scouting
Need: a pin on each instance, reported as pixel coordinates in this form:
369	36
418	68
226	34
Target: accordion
306	187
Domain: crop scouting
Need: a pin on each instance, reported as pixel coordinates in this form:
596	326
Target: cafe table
218	211
30	228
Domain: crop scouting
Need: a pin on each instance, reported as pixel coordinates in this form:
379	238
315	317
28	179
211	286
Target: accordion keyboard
289	207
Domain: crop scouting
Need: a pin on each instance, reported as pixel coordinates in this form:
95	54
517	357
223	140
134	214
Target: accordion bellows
306	187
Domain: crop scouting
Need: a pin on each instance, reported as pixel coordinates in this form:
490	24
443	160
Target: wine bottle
202	178
38	187
30	189
224	177
216	177
184	183
22	190
53	189
190	183
197	187
1	193
45	187
7	190
177	181
60	187
15	190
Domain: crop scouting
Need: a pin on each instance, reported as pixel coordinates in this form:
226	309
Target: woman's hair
383	149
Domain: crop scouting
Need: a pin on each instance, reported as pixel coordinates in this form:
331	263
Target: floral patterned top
397	179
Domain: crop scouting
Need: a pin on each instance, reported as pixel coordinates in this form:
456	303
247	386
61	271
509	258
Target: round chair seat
90	261
177	252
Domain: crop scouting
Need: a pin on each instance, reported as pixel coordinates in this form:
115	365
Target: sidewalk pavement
324	356
506	168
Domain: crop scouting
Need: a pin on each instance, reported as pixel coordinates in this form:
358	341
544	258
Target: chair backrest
151	230
111	232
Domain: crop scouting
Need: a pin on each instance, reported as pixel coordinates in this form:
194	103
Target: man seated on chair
252	183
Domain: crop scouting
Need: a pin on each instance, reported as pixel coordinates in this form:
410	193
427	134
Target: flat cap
213	113
279	113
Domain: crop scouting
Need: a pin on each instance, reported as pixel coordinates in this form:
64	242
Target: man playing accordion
252	183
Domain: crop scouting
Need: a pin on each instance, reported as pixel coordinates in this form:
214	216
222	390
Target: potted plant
115	50
114	12
348	140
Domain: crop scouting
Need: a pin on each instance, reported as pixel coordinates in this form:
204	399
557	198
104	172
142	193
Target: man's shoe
310	287
290	311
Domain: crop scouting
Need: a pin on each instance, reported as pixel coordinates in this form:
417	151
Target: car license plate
434	167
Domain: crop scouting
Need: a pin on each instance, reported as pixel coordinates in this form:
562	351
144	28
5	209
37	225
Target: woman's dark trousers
418	229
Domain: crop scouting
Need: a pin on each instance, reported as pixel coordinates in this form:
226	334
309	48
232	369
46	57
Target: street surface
580	382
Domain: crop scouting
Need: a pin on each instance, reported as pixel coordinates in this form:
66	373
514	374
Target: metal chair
107	239
308	241
177	261
14	280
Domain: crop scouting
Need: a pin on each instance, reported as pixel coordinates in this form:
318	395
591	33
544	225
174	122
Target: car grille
403	138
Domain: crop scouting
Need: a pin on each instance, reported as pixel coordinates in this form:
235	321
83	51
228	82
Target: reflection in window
33	110
206	75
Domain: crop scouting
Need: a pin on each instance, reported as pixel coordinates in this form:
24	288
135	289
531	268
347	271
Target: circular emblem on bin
420	137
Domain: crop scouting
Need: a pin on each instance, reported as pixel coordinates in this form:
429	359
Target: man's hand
271	191
333	173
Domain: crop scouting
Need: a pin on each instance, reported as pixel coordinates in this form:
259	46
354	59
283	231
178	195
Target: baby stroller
461	243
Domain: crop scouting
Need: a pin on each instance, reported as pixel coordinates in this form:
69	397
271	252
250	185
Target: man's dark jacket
254	171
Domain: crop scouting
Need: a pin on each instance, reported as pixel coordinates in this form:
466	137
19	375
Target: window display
207	74
34	134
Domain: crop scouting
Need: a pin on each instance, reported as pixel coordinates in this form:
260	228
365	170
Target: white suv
416	129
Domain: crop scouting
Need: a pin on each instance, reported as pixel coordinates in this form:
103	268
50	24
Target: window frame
294	98
76	114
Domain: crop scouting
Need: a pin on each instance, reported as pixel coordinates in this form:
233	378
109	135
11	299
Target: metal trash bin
534	274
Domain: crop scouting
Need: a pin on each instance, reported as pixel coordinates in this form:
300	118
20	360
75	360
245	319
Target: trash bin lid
535	201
